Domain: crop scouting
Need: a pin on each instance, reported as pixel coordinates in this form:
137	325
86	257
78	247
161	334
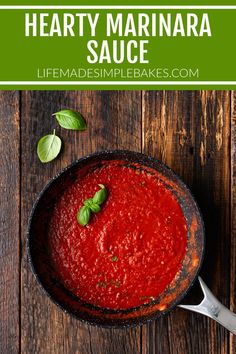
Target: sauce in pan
131	250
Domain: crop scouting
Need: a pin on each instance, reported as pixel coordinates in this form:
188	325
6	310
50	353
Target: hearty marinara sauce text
131	250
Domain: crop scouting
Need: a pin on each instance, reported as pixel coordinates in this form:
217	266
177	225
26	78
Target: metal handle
212	308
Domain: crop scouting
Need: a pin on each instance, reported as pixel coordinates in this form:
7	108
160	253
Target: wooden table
194	132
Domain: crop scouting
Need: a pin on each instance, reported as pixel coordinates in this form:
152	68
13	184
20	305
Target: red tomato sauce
131	250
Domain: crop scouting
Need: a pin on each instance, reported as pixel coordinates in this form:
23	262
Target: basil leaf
100	196
88	202
91	205
114	259
69	119
84	215
48	147
95	208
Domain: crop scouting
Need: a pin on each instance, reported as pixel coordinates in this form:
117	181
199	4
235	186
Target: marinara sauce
131	250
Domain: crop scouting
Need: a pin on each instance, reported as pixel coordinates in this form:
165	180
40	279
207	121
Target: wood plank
233	216
190	132
114	121
9	222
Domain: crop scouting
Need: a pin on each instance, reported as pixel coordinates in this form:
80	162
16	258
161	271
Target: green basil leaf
114	259
100	196
91	205
48	147
88	202
69	119
84	215
95	208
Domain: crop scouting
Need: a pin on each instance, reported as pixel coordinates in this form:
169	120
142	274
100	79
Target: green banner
117	46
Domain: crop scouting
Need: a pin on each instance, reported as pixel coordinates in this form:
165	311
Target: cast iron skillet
39	256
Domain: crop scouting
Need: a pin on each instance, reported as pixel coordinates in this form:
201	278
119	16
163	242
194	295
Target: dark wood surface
194	132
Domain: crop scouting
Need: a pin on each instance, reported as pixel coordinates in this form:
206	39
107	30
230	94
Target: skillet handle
212	308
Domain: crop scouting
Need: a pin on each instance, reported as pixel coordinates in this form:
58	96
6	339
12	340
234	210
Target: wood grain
9	222
194	132
114	121
190	131
233	216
